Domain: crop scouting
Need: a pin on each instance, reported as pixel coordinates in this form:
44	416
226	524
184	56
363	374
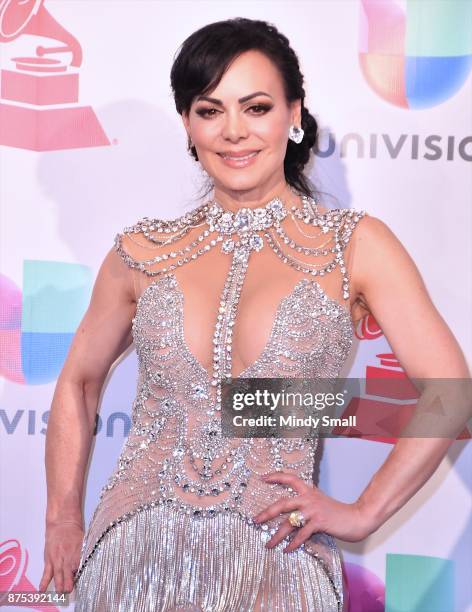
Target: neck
232	200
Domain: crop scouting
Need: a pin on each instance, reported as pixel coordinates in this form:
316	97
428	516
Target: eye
206	112
260	109
255	109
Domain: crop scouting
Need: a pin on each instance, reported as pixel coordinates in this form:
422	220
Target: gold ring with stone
296	519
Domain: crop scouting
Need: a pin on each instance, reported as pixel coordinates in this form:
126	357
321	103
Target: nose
234	127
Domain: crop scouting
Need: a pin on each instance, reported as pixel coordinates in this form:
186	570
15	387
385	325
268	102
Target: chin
239	183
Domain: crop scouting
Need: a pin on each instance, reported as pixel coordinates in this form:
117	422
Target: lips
239	160
239	155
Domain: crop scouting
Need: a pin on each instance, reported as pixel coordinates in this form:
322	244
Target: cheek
204	134
273	130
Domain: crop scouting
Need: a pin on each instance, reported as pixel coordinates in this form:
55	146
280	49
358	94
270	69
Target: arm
390	285
103	335
394	291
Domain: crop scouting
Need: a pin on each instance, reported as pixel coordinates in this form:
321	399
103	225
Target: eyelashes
260	109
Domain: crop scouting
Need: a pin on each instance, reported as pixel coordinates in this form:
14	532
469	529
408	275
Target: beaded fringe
162	560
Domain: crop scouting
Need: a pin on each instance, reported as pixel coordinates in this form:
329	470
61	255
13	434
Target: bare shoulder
376	251
372	228
391	286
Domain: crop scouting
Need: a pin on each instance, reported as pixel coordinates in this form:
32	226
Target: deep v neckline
181	317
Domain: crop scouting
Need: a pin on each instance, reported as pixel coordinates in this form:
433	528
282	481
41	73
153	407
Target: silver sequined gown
164	539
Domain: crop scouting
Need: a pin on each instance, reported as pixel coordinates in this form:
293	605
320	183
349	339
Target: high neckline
275	203
245	219
267	206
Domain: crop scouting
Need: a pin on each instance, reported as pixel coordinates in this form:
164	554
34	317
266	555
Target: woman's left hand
322	513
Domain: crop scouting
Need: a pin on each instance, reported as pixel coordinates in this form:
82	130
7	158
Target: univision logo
432	147
413	53
39	320
33	422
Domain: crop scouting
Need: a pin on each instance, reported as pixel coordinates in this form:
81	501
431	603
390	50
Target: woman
259	281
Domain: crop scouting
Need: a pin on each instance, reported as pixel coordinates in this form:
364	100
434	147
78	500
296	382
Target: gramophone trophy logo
39	92
387	404
388	398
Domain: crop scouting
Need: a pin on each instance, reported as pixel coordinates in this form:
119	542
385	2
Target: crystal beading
245	224
175	456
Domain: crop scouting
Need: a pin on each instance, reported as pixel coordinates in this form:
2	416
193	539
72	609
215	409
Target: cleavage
266	284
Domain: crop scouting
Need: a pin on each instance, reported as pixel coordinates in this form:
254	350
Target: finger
46	577
302	534
74	580
68	580
291	480
59	577
279	507
282	532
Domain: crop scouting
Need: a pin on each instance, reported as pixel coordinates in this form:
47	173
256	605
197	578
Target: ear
186	122
296	112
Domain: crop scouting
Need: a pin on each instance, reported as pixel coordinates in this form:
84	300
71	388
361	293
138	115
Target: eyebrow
241	100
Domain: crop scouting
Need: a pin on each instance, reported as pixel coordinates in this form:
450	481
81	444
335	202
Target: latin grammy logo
387	403
39	94
14	581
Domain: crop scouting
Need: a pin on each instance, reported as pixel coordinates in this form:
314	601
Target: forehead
249	72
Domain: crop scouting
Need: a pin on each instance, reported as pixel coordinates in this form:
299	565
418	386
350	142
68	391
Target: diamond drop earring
296	134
